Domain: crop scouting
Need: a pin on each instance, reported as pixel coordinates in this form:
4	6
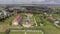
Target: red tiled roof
50	17
17	18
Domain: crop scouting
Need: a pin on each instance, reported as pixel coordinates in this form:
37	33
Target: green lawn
37	18
24	33
56	15
8	20
16	33
2	33
34	33
49	27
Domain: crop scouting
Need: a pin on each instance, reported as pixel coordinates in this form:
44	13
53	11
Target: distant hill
48	5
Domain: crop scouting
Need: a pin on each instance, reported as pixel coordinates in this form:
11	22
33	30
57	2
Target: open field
34	33
16	33
4	27
26	33
49	27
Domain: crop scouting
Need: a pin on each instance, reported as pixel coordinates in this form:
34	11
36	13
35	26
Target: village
29	20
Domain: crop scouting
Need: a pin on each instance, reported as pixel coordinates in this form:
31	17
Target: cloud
37	0
52	2
19	1
30	1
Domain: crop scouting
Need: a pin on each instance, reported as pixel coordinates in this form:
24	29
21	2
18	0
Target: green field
24	33
49	27
16	33
8	20
34	33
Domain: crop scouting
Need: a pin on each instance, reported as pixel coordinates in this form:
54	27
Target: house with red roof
17	20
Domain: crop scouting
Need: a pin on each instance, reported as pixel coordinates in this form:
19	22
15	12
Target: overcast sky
29	1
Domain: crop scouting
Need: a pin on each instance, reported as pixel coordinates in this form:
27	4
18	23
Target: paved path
35	22
56	24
